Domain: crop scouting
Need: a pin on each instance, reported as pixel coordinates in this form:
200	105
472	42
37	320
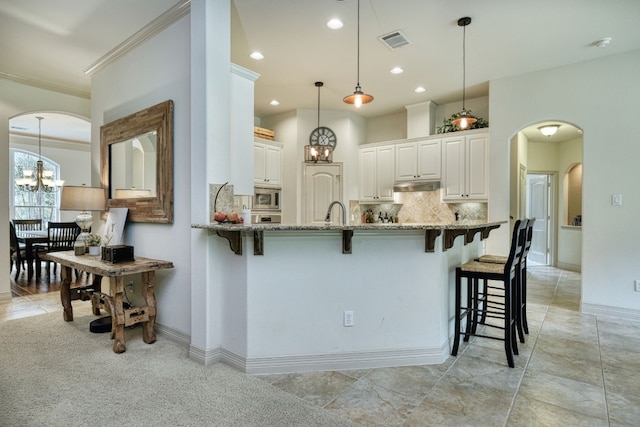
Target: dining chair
27	224
61	237
477	306
17	250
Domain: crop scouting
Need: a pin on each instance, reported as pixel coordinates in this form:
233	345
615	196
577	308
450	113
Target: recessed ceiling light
335	24
274	102
397	70
256	55
419	89
603	42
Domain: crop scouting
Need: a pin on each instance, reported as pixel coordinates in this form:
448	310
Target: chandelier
38	179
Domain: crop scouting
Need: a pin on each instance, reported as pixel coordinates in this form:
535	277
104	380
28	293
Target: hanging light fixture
358	97
465	118
322	140
548	130
40	179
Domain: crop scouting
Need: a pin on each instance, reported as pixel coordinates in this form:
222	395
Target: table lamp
83	199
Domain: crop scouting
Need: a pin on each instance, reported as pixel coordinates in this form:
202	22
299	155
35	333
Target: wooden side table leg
65	293
117	316
148	285
97	287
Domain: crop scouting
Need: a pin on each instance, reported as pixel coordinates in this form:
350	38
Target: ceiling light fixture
358	97
335	24
43	180
274	102
321	141
396	70
464	119
256	55
419	89
548	130
603	42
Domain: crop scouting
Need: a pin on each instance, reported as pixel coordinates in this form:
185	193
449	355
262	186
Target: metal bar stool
507	273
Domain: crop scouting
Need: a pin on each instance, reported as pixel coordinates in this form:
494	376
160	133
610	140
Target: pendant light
464	119
358	97
322	140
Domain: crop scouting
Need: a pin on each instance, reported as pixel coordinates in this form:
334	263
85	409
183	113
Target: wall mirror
136	155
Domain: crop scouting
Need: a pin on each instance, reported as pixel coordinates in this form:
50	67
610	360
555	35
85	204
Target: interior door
539	196
322	185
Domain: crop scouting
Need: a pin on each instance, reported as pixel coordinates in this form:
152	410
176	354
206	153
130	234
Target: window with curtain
25	204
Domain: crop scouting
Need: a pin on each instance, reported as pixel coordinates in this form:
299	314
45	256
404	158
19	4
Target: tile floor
574	370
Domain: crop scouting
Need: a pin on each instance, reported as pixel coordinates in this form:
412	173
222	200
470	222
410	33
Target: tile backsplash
421	207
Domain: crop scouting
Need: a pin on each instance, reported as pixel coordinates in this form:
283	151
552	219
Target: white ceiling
53	42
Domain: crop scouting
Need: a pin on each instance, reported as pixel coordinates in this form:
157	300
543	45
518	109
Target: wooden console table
120	316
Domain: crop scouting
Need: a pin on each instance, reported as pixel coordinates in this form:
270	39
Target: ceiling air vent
394	40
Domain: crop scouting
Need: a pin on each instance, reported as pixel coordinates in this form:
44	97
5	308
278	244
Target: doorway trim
553	222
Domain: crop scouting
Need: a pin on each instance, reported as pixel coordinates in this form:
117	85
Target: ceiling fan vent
394	40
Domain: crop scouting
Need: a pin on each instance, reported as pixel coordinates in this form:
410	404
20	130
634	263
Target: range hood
406	186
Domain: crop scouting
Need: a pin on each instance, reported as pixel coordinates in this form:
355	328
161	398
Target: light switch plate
616	200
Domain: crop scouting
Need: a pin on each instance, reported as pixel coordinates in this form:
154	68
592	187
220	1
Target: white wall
18	99
154	72
595	96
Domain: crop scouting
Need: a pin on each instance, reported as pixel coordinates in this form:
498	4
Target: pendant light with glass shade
358	97
465	118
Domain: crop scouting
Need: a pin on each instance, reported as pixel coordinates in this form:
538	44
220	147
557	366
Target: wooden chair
17	250
61	237
521	296
473	311
27	224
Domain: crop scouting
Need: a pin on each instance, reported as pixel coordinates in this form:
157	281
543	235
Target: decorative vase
94	250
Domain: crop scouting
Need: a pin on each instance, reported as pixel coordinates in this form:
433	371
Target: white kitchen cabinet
377	173
418	160
465	161
267	163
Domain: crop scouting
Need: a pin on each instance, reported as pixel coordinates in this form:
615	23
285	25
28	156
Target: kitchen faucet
344	212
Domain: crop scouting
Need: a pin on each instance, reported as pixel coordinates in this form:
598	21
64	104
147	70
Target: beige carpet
54	373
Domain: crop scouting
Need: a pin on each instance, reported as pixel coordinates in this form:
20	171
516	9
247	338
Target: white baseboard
5	296
569	267
206	357
342	361
605	310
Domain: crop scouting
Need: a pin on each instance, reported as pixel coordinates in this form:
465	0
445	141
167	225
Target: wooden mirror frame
158	209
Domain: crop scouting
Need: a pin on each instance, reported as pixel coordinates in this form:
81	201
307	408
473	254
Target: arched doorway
65	141
545	182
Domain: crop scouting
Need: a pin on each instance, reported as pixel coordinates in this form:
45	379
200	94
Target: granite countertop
457	225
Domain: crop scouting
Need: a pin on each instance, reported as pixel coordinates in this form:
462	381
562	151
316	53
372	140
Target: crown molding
154	27
46	85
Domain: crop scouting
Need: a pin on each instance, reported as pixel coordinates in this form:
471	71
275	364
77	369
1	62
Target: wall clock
323	136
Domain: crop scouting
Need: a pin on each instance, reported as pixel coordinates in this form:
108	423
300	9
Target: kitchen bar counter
233	232
287	307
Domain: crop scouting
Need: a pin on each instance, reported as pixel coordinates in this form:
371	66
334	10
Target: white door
539	197
322	185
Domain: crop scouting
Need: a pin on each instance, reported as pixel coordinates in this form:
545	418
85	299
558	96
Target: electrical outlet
637	285
348	318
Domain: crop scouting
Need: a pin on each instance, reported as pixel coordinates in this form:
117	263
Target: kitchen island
292	292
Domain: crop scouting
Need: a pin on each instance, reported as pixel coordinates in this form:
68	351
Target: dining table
31	238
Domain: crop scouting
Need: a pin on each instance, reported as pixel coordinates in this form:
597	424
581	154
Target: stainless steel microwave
266	199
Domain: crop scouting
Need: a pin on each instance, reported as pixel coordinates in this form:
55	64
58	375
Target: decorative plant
449	127
94	239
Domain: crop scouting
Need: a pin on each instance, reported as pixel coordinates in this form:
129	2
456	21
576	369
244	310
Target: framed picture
114	227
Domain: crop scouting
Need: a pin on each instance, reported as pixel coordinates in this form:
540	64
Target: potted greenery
94	241
447	126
